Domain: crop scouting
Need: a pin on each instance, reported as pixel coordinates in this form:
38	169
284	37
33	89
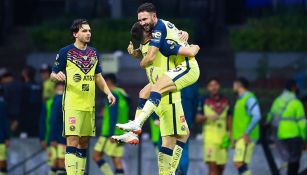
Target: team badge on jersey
82	60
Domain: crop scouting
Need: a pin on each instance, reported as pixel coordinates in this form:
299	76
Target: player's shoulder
66	48
167	24
160	26
92	48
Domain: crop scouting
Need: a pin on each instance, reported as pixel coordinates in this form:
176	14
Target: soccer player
112	115
214	112
48	84
44	134
57	141
78	65
245	125
4	136
174	129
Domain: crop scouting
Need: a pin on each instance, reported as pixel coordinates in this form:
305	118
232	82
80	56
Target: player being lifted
78	65
170	110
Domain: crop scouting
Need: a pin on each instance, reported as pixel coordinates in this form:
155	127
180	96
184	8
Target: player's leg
242	156
184	161
213	168
3	165
52	151
165	154
119	168
60	161
70	155
81	154
98	156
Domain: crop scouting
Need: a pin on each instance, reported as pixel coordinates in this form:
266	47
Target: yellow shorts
172	119
111	149
79	123
52	155
184	74
2	152
243	151
214	153
61	149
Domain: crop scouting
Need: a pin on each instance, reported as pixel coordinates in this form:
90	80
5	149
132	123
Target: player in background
57	141
78	65
174	129
245	125
4	133
111	115
44	134
48	84
214	113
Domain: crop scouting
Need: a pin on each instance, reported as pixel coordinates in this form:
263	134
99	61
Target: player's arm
189	51
254	110
101	83
58	68
150	57
200	117
183	35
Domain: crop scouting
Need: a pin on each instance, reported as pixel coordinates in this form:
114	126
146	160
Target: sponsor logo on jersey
183	128
77	77
85	87
156	34
88	78
57	57
72	120
170	25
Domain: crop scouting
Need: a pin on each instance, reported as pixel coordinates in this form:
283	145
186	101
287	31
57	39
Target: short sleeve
158	35
98	68
60	62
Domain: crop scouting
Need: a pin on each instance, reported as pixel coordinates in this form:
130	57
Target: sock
151	104
243	170
61	171
52	171
119	172
141	103
104	167
71	160
177	155
81	161
165	161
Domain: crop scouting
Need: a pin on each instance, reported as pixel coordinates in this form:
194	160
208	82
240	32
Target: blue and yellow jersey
4	125
44	126
80	67
161	65
56	120
164	34
118	113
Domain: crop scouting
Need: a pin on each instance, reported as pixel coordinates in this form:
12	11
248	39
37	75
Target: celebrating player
78	65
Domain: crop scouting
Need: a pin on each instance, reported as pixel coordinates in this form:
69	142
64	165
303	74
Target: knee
238	164
72	141
83	143
144	93
117	163
169	142
96	156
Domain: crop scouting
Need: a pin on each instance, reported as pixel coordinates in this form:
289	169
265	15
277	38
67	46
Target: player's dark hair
111	77
30	72
243	81
137	32
290	85
213	79
59	83
147	7
76	25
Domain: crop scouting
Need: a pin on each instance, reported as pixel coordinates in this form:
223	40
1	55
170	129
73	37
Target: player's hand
246	138
60	76
111	99
183	36
130	48
212	117
157	122
53	143
43	145
200	118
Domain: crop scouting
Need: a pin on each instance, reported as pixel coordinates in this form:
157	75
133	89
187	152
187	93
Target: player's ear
74	34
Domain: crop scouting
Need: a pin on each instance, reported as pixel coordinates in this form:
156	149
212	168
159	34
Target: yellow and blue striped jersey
80	67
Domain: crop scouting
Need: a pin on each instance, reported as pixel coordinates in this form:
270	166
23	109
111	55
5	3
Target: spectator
4	136
287	118
48	84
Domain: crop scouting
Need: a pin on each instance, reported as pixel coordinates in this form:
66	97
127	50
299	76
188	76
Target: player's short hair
147	7
213	79
290	84
137	32
243	81
111	77
76	25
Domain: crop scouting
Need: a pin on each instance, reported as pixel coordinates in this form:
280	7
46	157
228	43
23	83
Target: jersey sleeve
158	35
60	61
98	68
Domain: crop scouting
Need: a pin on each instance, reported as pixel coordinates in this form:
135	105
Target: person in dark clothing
4	133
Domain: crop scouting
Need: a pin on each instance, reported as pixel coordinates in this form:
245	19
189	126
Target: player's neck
80	45
241	91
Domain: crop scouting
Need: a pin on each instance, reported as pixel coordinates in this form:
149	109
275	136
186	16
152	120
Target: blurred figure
4	133
154	124
48	84
57	141
214	112
12	93
189	100
31	102
288	121
44	134
245	125
118	113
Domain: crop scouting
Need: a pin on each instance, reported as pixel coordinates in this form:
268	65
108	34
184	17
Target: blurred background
262	40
